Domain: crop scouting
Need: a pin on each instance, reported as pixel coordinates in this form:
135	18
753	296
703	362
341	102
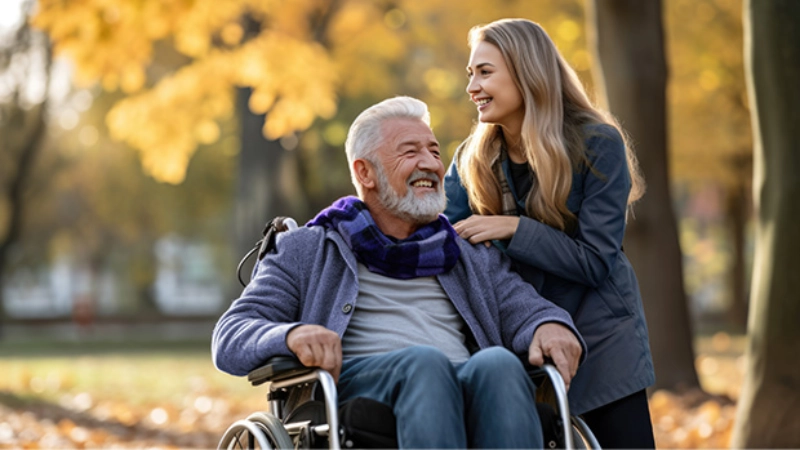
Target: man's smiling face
410	170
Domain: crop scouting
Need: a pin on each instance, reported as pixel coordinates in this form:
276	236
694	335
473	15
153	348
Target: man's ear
365	173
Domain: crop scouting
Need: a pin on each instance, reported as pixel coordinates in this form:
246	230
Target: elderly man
380	291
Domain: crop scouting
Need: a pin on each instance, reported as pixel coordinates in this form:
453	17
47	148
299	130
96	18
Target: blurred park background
144	143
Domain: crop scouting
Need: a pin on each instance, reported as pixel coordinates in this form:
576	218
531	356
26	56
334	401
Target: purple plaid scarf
431	250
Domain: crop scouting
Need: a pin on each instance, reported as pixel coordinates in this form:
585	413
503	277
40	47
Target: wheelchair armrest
277	368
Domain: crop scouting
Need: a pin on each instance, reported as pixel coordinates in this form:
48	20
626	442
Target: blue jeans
486	402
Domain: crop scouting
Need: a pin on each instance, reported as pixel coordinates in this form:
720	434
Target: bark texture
632	78
767	415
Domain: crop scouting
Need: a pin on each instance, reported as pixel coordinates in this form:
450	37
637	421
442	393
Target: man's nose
428	161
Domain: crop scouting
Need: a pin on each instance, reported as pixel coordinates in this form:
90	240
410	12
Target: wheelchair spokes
260	430
300	419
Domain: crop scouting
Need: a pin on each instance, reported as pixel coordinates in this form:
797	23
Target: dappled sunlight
703	419
166	117
145	143
172	401
120	401
691	420
178	64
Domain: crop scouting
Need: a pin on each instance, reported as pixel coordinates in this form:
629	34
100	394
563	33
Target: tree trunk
737	211
630	48
25	159
25	148
267	182
767	415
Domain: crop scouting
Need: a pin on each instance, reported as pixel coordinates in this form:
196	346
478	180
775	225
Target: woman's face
491	87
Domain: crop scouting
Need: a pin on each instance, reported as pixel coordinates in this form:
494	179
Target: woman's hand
476	229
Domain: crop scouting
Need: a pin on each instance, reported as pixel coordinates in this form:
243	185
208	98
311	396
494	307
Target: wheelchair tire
582	436
274	429
259	430
577	439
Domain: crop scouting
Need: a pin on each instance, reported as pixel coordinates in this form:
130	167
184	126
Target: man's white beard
418	210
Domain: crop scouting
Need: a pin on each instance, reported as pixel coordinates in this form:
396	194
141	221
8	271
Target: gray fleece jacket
311	278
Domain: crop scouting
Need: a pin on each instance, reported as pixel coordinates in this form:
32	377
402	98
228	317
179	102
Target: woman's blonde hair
556	108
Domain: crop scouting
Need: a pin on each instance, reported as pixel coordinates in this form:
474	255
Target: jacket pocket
618	296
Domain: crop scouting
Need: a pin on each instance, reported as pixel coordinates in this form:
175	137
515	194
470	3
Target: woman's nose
473	86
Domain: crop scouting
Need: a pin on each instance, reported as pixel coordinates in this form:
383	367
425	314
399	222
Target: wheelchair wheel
273	428
582	436
260	430
577	439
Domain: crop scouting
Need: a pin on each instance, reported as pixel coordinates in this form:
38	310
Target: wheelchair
304	412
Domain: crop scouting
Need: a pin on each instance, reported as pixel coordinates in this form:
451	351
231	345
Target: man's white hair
365	135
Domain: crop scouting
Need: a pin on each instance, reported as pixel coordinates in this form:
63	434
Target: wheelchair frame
268	429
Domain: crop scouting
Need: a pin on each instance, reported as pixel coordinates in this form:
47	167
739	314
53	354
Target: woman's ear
365	173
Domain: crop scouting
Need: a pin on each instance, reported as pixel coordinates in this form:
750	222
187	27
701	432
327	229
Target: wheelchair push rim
259	430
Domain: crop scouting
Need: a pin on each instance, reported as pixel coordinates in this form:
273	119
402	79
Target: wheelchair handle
267	242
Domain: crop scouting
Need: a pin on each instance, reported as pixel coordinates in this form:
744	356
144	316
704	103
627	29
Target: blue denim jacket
586	272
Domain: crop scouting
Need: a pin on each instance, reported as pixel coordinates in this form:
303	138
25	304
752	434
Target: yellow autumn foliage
299	56
293	55
166	116
709	117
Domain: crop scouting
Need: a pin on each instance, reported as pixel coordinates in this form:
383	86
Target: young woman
549	178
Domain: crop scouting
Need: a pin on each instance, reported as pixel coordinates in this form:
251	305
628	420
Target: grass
46	348
148	370
138	392
144	392
136	371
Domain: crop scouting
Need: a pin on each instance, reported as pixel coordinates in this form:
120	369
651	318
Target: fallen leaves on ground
51	407
80	421
692	419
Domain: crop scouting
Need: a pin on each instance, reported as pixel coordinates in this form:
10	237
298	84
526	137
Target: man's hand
317	346
557	342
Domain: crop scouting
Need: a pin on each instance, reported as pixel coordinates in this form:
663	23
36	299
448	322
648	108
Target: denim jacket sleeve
589	256
457	200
